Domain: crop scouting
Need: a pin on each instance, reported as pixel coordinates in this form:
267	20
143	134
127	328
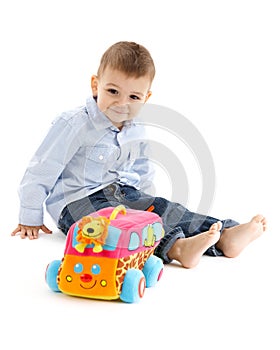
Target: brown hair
130	58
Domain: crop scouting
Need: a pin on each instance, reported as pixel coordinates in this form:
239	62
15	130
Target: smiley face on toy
82	276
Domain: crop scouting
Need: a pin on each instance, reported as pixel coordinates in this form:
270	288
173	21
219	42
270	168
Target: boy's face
120	97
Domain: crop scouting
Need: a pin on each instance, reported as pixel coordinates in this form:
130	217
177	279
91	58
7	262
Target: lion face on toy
92	231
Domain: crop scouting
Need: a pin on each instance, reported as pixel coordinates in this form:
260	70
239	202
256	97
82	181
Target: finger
30	233
46	230
23	233
35	234
15	231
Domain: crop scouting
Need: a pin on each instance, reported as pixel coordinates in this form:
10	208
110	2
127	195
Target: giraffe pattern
136	261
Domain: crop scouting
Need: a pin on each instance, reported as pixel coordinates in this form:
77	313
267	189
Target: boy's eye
134	97
113	91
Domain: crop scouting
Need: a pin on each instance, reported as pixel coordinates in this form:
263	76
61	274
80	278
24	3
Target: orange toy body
109	255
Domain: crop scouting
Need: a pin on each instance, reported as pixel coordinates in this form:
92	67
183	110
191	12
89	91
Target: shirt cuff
31	217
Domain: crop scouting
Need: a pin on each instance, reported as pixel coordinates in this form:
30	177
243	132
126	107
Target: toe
258	218
214	227
219	226
264	223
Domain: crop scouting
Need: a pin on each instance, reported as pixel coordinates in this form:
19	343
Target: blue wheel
152	270
51	275
133	287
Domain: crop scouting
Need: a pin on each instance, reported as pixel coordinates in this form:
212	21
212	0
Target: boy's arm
42	173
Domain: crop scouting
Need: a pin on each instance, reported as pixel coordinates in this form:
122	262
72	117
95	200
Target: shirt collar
99	119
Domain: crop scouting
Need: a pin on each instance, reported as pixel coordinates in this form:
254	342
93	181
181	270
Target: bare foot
188	251
234	239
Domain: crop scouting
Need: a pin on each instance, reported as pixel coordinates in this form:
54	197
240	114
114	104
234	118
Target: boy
94	157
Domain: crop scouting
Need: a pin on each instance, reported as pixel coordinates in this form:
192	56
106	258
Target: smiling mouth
90	287
119	111
91	235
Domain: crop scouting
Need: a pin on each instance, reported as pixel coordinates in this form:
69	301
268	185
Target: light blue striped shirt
82	153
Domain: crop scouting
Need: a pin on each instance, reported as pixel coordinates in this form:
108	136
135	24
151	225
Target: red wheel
152	270
160	274
133	287
142	287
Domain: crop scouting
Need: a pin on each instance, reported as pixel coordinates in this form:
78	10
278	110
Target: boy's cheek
135	108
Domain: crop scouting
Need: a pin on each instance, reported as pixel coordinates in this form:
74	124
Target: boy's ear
94	85
149	94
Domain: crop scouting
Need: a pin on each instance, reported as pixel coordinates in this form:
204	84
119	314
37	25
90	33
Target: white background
218	65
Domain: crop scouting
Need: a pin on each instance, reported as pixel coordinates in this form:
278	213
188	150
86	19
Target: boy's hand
32	232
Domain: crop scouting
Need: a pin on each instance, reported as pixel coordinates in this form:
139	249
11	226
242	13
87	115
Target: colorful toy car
109	255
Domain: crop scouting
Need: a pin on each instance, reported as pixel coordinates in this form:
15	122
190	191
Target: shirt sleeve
47	164
143	166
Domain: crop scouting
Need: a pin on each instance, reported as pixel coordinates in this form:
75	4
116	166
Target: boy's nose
122	101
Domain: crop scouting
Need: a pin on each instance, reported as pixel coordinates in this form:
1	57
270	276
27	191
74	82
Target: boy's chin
120	119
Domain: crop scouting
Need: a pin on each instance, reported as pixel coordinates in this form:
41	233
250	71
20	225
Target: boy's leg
188	235
188	251
112	195
232	241
178	222
76	210
201	231
235	239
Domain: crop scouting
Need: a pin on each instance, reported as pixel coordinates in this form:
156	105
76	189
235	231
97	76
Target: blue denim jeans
178	221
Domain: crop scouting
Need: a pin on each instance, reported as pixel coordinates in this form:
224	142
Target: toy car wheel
152	270
133	287
51	275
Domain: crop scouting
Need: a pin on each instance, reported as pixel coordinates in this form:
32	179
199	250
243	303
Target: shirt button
101	157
